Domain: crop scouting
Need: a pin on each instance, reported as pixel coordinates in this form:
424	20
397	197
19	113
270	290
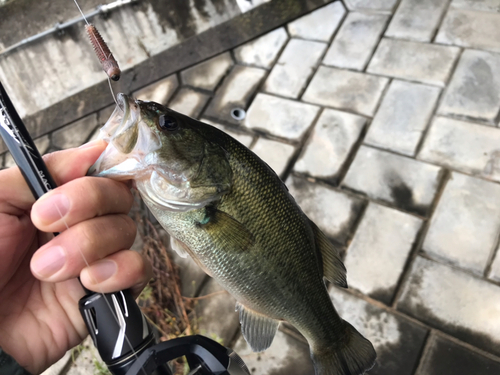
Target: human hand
39	292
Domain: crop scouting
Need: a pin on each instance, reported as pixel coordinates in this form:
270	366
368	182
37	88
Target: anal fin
333	268
258	329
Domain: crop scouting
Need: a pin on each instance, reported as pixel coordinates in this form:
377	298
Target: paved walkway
382	117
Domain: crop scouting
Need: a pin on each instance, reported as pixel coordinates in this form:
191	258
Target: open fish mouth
134	153
130	143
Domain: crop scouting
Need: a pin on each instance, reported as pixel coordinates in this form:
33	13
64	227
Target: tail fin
353	356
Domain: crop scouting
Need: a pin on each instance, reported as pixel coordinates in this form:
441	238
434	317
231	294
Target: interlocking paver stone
334	212
276	154
243	138
188	102
159	92
343	89
494	273
467	147
235	92
453	301
286	356
294	67
422	62
208	74
486	5
386	6
468	28
75	134
330	144
474	90
417	20
357	38
217	315
262	52
378	252
453	285
469	206
446	357
281	117
403	116
320	24
403	182
397	341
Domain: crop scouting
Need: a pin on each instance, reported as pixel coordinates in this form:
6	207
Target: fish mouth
131	155
129	143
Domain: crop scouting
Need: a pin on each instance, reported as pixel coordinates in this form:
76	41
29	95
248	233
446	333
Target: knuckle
127	226
140	267
106	195
96	195
90	234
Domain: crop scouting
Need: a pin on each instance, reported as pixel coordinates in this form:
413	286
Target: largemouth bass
227	209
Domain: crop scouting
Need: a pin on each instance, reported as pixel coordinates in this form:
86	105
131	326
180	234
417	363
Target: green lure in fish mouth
163	153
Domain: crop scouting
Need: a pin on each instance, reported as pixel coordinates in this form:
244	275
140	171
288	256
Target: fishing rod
125	341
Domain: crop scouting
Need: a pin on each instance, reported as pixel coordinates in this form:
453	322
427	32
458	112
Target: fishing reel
129	347
124	339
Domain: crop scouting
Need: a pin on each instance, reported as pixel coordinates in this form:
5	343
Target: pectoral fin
179	247
258	330
226	232
333	268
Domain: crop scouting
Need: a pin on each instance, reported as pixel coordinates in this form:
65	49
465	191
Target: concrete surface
397	162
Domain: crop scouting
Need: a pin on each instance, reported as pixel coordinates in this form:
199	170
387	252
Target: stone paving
382	116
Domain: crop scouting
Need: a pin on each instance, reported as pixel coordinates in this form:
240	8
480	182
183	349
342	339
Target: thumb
63	165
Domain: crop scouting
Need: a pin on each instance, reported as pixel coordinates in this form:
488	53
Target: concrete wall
48	70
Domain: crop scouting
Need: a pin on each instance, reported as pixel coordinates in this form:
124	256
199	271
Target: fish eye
167	122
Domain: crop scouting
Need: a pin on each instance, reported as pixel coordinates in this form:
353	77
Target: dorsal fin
258	329
333	268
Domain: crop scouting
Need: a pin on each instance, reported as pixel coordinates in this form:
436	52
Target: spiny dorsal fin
226	232
179	247
333	268
258	329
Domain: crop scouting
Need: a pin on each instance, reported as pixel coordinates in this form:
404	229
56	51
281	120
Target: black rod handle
22	148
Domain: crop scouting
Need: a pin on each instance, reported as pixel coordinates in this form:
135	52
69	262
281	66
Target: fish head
167	154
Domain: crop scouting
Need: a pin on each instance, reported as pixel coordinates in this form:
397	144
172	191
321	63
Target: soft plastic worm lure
106	58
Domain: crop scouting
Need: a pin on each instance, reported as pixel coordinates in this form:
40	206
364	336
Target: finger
79	200
67	254
64	166
122	270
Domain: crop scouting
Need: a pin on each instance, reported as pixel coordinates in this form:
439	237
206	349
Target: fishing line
83	15
101	292
99	44
112	92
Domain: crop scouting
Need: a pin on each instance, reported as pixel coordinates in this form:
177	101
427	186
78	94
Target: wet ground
382	117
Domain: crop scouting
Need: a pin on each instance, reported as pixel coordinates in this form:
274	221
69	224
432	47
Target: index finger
64	166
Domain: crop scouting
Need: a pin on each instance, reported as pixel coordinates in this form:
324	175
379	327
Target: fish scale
241	225
259	200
